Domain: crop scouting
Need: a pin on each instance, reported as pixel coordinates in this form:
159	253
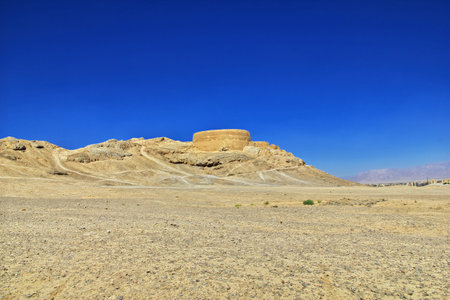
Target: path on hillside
100	178
161	163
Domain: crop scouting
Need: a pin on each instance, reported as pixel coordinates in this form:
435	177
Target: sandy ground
79	241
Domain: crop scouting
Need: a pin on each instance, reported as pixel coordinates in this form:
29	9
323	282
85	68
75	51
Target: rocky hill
159	162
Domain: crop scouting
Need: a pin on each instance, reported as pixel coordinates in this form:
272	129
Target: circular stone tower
215	140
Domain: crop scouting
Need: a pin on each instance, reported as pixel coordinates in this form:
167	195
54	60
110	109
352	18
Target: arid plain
142	219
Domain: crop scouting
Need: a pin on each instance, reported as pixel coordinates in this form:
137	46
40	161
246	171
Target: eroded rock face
13	143
215	140
250	159
279	157
252	150
205	160
111	149
259	144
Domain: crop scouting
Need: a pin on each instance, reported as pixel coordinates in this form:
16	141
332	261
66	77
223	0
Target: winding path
61	166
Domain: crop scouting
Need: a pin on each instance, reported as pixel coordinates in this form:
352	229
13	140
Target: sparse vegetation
266	203
319	201
308	202
238	205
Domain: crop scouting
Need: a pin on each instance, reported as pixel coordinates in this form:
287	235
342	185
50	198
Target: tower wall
215	140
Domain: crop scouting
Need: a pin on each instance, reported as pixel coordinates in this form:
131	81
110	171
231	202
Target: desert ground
77	240
158	218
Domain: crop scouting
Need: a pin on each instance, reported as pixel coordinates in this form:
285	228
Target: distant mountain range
418	173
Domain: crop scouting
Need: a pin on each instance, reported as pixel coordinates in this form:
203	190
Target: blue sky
346	85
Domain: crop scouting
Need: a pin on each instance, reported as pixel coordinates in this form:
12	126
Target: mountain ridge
439	170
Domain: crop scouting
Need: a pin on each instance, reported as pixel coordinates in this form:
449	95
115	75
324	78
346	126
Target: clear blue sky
346	85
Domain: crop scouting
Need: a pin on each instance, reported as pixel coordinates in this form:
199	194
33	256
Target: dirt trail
290	177
162	164
58	163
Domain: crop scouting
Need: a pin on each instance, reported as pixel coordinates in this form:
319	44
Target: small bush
319	201
266	203
308	202
238	205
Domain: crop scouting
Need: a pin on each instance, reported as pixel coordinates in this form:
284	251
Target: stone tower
216	140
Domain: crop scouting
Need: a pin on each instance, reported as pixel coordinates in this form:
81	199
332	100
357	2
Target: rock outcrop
259	144
111	149
13	144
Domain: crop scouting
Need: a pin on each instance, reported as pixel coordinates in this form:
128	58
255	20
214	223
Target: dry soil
76	240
